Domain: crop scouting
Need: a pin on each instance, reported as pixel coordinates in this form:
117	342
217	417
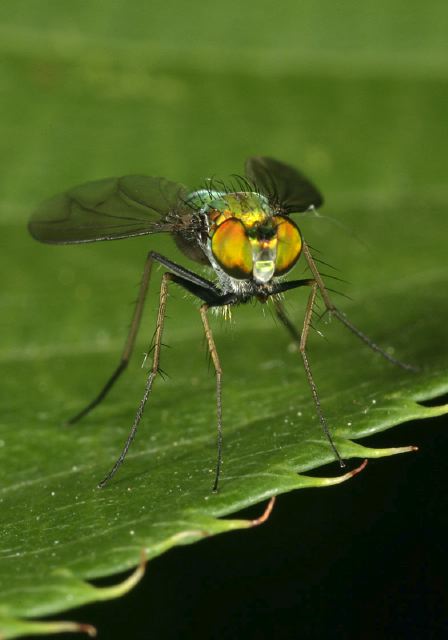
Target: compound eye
289	245
232	249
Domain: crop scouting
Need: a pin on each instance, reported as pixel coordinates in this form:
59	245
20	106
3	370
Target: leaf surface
368	134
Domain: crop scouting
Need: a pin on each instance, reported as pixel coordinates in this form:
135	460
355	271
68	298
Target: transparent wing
287	187
108	209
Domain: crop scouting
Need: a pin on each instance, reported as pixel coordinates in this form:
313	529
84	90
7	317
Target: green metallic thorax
251	208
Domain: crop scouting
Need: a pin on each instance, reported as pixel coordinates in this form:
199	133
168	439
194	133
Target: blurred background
356	94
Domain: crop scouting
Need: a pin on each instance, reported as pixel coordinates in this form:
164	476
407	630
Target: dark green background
356	93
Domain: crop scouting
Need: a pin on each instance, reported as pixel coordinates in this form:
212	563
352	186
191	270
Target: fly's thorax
248	240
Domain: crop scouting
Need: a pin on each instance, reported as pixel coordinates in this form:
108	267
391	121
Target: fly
243	232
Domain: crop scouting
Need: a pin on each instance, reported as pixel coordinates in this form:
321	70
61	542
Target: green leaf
364	123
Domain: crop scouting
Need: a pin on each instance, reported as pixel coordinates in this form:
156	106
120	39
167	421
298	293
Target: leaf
365	132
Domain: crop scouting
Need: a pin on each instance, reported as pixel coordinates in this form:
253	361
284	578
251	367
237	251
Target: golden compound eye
289	245
232	249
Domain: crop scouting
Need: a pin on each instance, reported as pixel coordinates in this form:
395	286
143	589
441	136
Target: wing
287	187
107	210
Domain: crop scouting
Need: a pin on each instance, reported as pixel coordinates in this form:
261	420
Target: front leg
218	373
150	380
212	296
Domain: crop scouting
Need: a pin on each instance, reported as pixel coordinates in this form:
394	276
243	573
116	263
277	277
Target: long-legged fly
242	231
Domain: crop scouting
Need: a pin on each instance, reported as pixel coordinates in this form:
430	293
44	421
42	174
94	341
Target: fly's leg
218	372
128	347
211	296
150	380
301	340
333	310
